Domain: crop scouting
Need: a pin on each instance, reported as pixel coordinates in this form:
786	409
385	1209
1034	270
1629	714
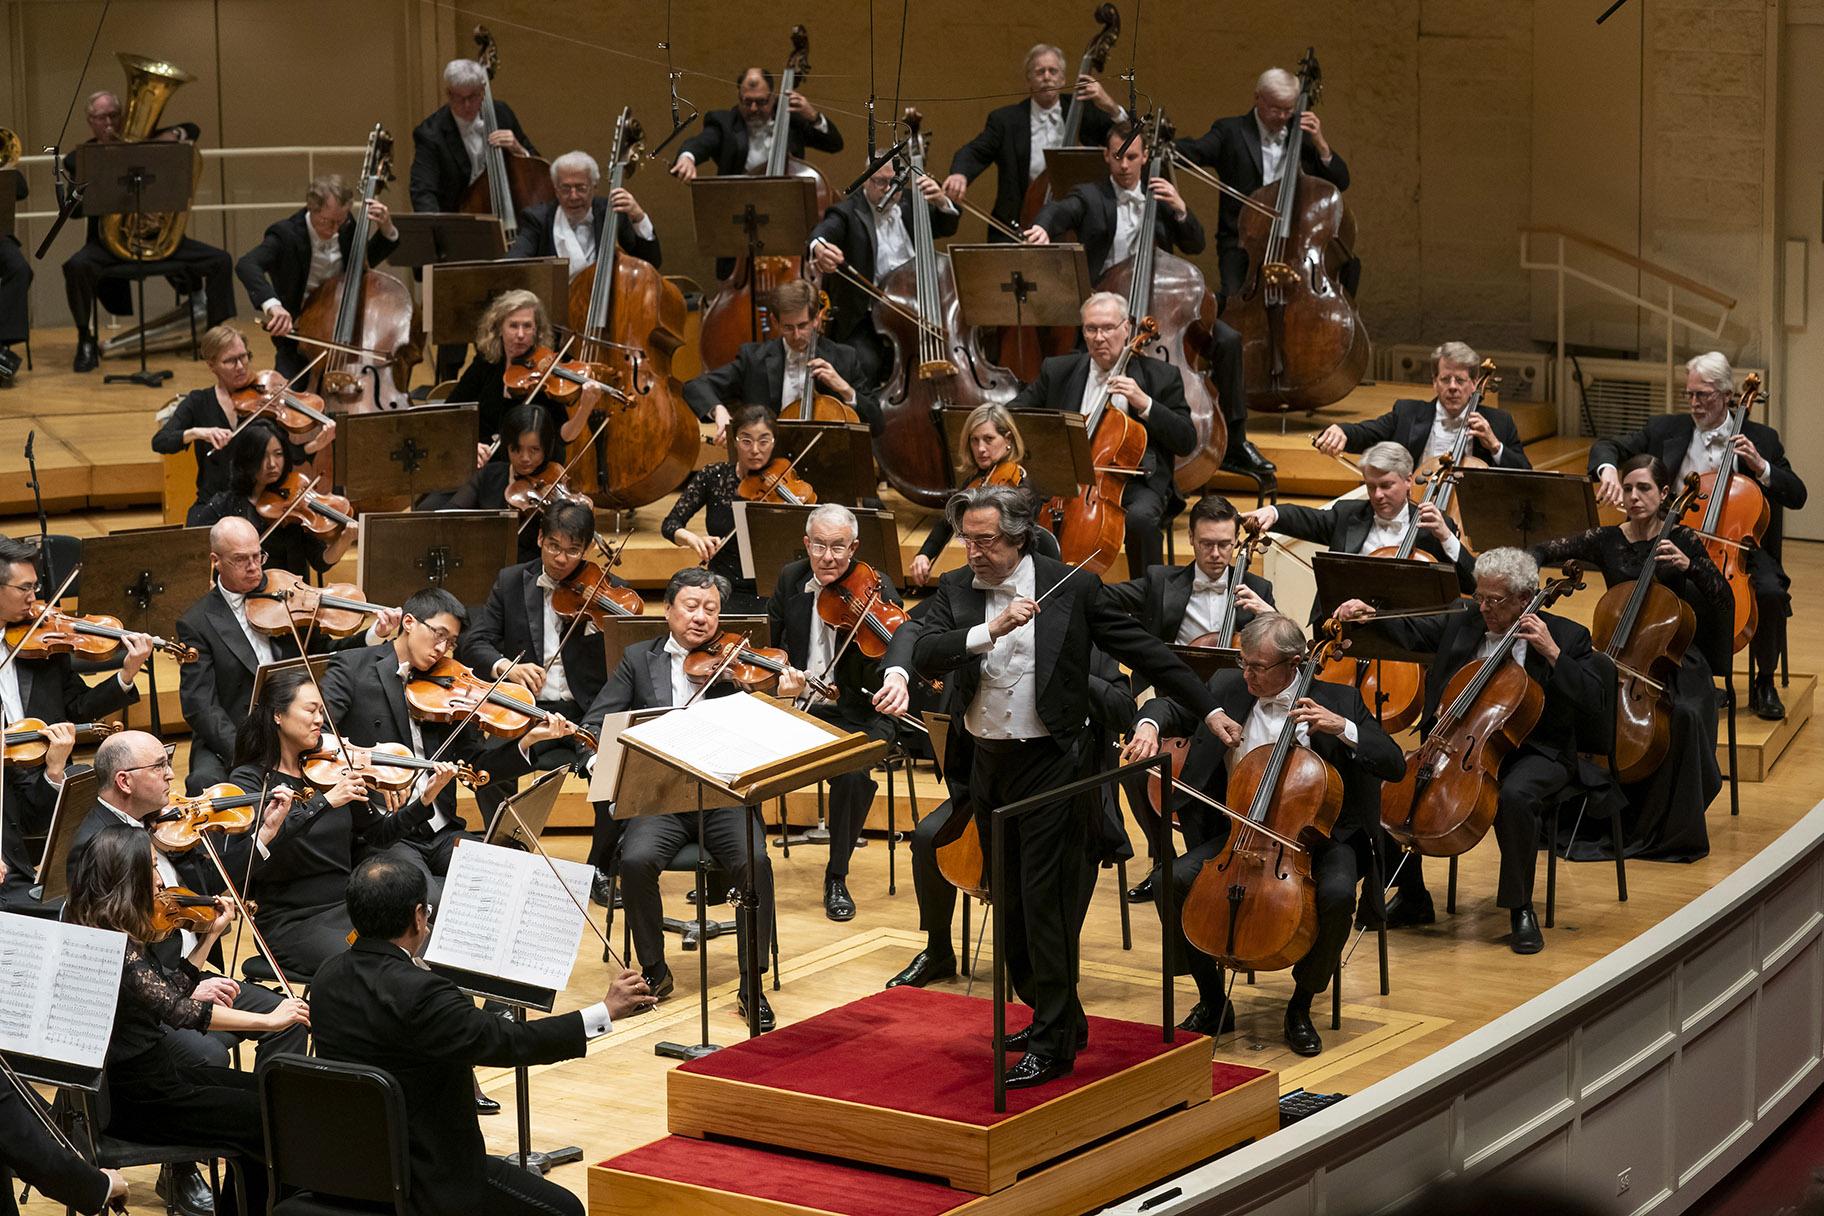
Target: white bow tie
1716	438
546	582
1200	585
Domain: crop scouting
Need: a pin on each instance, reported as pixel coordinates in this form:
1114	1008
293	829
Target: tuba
9	149
153	236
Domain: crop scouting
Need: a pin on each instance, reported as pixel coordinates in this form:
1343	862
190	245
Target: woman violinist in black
258	459
509	331
991	442
752	434
529	438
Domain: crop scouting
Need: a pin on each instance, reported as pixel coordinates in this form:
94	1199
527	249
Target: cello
1173	292
937	361
365	314
1735	508
1303	344
1092	526
629	320
736	312
507	183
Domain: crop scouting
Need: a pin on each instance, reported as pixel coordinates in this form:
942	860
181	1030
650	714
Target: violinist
530	439
308	854
713	489
740	139
259	460
1021	705
651	675
1429	429
1556	654
205	418
568	227
29	1154
157	1095
216	689
1664	819
1150	391
784	369
513	326
831	538
29	797
303	251
48	688
1255	707
448	147
1693	443
870	232
1015	137
991	442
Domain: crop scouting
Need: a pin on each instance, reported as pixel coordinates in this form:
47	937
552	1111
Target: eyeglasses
751	442
565	551
1491	601
979	543
1095	331
1708	394
28	588
247	561
817	548
444	636
1254	669
163	762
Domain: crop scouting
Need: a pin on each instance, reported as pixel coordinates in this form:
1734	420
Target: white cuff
596	1021
1765	476
271	304
980	640
1601	468
125	683
1149	722
644	228
691	156
822	124
1451	546
1349	733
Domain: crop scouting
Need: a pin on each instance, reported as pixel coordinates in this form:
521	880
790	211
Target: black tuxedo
29	1153
1160	596
1006	143
723	140
1345	524
15	278
537	225
1089	211
756	376
1408	424
29	803
849	225
279	267
1232	147
371	1006
441	169
50	689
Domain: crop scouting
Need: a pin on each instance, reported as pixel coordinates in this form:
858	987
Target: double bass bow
1092	526
1735	509
507	183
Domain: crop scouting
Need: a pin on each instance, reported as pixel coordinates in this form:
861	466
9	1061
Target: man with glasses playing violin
46	686
1694	442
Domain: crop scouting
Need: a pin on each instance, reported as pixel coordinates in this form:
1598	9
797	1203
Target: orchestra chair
355	1162
81	1112
693	859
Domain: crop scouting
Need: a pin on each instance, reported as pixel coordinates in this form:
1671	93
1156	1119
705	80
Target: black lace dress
712	490
1664	814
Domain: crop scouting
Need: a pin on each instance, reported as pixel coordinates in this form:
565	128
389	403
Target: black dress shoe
1527	939
925	968
766	1012
1205	1018
1142	894
838	905
1244	458
1301	1035
602	890
88	356
1018	1039
485	1105
1036	1068
1764	699
1408	910
659	981
183	1187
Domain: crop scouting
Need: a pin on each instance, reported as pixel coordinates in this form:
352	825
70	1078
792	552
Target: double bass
1092	526
1460	455
1735	508
1172	291
1303	344
507	183
937	361
737	312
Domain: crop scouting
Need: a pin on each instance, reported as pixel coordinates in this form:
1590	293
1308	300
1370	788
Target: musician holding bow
48	688
1429	429
28	800
569	227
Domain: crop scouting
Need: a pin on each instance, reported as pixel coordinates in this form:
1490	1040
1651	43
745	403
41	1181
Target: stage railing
309	152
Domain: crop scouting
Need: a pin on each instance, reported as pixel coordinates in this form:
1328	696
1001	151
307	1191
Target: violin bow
995	224
268	398
779	477
240	905
539	384
538	847
587	445
44	614
1181	161
304	655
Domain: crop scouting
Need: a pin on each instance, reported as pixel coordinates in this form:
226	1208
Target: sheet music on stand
729	737
504	915
59	984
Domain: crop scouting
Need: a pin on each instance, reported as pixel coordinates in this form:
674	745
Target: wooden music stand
457	293
431	238
319	663
740	216
841	466
620	632
1387	584
409	452
130	576
403	552
1206	661
772	534
1058	459
74	802
1523	507
1006	284
532	809
1072	167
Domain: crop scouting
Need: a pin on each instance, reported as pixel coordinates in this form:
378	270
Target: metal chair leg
1127	927
1450	890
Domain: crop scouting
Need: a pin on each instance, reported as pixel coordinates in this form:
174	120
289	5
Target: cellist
568	228
1255	707
1694	443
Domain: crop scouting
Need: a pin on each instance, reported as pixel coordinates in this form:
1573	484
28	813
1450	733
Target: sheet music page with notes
505	915
728	736
59	985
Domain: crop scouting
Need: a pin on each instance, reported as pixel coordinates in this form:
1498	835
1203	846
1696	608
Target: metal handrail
309	152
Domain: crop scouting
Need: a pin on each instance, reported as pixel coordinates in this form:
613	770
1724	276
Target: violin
225	807
1447	799
26	744
284	599
508	184
541	489
777	483
575	385
1005	472
589	590
856	603
298	413
322	515
754	668
90	636
1092	526
175	908
1736	508
449	690
390	766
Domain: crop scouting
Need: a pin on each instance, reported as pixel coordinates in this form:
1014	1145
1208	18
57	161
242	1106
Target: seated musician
1015	137
28	799
1664	819
713	490
31	1155
309	849
217	689
831	539
568	228
1378	521
202	264
783	370
512	327
530	439
1249	151
1150	391
1556	654
204	418
872	235
15	292
448	147
1693	443
990	440
48	688
373	1005
739	140
303	251
651	674
1256	706
149	1080
259	458
1429	429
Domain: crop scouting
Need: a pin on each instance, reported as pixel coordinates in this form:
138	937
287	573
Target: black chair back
334	1129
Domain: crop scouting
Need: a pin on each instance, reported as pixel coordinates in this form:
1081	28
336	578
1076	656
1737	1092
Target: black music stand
738	216
410	452
1058	459
841	466
1206	661
532	809
431	238
1019	285
456	294
1388	585
131	575
403	552
1071	167
772	534
135	180
1523	507
74	802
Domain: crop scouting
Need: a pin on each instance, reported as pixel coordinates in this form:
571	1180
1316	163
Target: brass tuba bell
10	149
153	236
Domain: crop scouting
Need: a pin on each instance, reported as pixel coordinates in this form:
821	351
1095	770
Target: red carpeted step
787	1177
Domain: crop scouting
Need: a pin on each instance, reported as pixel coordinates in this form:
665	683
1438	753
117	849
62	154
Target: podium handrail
309	152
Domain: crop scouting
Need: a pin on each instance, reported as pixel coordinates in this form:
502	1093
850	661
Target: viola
1736	509
322	515
26	744
856	603
776	482
447	691
284	599
753	668
225	808
1006	472
1092	526
297	412
175	908
91	636
389	766
590	590
1447	799
508	184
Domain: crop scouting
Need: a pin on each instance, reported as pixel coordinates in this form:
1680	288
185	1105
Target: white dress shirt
575	242
11	704
892	243
823	637
262	645
557	684
1389	533
1705	451
1006	703
796	383
325	262
1272	152
1203	611
1128	207
1047	128
682	686
1491	640
1268	718
1092	391
1444	432
438	819
475	139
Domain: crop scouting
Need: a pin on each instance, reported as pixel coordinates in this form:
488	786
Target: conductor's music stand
135	180
1058	459
1523	507
403	552
772	534
1072	167
409	452
740	216
456	294
430	238
1019	285
841	466
132	576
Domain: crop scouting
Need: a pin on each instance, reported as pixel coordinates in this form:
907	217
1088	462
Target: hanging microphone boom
876	163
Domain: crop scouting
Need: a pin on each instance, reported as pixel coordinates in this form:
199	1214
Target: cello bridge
933	369
1279	274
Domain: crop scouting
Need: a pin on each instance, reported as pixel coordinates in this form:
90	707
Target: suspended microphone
72	199
876	163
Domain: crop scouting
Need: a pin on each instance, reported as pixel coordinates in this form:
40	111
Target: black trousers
204	264
649	844
1530	782
850	798
221	1107
15	286
1146	510
304	942
212	1050
513	1192
1231	384
936	897
1773	604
